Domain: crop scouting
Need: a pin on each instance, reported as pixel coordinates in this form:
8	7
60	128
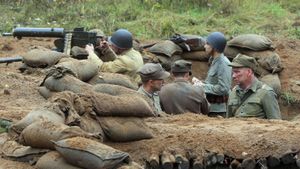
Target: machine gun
66	39
8	60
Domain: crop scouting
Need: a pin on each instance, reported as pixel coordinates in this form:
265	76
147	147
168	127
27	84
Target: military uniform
218	83
154	98
152	71
181	97
259	100
126	63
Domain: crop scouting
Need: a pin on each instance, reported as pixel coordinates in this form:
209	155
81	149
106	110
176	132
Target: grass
288	98
156	18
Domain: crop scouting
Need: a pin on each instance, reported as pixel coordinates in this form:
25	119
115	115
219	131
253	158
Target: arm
224	81
270	105
92	57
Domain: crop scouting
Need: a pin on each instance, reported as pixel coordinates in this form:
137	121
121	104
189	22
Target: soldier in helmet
125	59
218	81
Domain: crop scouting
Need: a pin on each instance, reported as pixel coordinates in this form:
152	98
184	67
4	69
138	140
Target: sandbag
123	105
7	164
37	115
167	48
251	41
53	160
189	42
166	62
231	52
72	106
121	129
113	78
83	69
273	81
116	90
268	60
90	124
86	153
40	134
195	55
42	58
60	79
14	151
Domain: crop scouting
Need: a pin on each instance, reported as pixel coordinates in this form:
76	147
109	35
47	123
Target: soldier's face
208	49
241	76
157	84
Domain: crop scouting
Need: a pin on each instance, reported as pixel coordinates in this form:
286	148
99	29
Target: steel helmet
122	38
217	40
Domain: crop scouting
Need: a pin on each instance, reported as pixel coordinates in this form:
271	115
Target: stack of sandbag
60	79
262	49
192	46
119	112
43	130
166	52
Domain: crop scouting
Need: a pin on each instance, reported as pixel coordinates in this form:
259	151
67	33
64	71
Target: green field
157	18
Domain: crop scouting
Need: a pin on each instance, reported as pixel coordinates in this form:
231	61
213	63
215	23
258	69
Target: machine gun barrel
20	32
11	59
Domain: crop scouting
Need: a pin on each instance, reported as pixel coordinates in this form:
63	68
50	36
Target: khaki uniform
154	97
126	63
181	97
258	101
218	82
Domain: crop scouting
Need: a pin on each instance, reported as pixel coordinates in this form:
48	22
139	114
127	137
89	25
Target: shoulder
266	91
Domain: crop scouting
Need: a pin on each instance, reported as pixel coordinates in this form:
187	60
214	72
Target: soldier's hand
89	48
104	44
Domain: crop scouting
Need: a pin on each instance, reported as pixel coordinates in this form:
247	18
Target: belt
211	98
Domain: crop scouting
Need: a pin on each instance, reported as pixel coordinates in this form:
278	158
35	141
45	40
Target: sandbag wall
189	47
263	50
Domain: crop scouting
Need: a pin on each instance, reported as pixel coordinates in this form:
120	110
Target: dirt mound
197	134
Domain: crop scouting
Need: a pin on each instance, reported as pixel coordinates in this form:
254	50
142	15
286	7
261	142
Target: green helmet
122	38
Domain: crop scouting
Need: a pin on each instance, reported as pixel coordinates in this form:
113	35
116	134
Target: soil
178	134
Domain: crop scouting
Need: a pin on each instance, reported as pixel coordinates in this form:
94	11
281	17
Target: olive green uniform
258	101
181	97
126	63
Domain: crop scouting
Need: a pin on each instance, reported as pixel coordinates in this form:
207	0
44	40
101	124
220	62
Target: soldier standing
250	97
125	59
218	81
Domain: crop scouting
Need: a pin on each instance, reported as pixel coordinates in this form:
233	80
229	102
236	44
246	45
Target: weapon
8	60
67	39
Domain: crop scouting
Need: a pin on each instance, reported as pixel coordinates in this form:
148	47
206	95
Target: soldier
152	76
181	96
125	59
218	81
250	97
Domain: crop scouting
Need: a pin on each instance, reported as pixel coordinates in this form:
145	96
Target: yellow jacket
126	63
